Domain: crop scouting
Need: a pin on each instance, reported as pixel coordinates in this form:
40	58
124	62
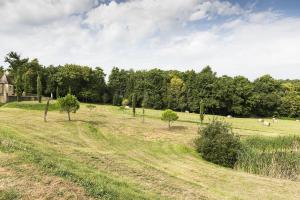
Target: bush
218	144
91	107
170	116
125	102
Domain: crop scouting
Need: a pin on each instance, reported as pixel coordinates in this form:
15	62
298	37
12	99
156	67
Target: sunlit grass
112	155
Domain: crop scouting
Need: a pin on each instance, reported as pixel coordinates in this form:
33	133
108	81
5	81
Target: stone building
6	89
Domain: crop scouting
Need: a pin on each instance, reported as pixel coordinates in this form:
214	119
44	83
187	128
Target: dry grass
149	158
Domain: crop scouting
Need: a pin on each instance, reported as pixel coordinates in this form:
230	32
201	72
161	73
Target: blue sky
234	37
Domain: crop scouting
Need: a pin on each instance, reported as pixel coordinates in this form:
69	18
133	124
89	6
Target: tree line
160	89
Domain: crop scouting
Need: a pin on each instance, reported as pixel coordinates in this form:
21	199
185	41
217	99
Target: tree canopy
159	89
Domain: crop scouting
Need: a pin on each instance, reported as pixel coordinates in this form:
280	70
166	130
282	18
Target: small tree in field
69	104
133	104
201	111
39	88
170	116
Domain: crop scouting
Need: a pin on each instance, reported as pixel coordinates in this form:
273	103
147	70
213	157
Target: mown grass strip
96	183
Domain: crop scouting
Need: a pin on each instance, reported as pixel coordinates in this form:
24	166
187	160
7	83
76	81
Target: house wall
2	99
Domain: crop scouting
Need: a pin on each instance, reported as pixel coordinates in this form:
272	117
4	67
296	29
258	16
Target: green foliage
18	86
39	89
116	100
169	116
172	89
218	144
27	84
277	157
68	104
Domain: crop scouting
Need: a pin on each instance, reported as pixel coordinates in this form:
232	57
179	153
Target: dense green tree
16	65
27	84
265	98
69	104
18	85
169	116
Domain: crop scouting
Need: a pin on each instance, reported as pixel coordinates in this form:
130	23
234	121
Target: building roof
5	79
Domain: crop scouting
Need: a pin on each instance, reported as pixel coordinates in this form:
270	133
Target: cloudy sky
234	37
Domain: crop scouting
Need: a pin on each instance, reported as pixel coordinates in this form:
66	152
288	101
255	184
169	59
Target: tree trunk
143	115
169	124
46	110
69	117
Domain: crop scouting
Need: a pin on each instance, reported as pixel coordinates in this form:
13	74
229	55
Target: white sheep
187	111
267	123
260	120
127	107
229	116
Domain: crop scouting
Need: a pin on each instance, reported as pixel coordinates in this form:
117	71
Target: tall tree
18	86
27	84
39	89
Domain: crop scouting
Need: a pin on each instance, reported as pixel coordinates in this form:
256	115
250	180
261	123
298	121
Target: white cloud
152	33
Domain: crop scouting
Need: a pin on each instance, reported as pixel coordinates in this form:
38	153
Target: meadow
108	154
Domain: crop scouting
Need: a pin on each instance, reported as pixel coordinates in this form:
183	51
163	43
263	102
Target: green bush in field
170	116
91	107
218	144
68	104
125	102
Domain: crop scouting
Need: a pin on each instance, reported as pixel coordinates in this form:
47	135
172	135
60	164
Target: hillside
108	154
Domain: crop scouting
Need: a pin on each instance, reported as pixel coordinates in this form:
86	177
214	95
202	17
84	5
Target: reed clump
277	157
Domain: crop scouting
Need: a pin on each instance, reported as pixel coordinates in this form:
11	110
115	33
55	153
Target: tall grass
277	157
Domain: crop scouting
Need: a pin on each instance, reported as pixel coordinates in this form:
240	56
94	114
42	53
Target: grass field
108	154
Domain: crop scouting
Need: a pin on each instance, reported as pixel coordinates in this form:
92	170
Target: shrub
218	144
69	104
90	107
170	116
125	102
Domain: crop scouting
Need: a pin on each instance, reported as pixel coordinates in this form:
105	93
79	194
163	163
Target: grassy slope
110	155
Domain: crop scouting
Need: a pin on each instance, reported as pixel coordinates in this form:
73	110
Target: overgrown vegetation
218	144
277	157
